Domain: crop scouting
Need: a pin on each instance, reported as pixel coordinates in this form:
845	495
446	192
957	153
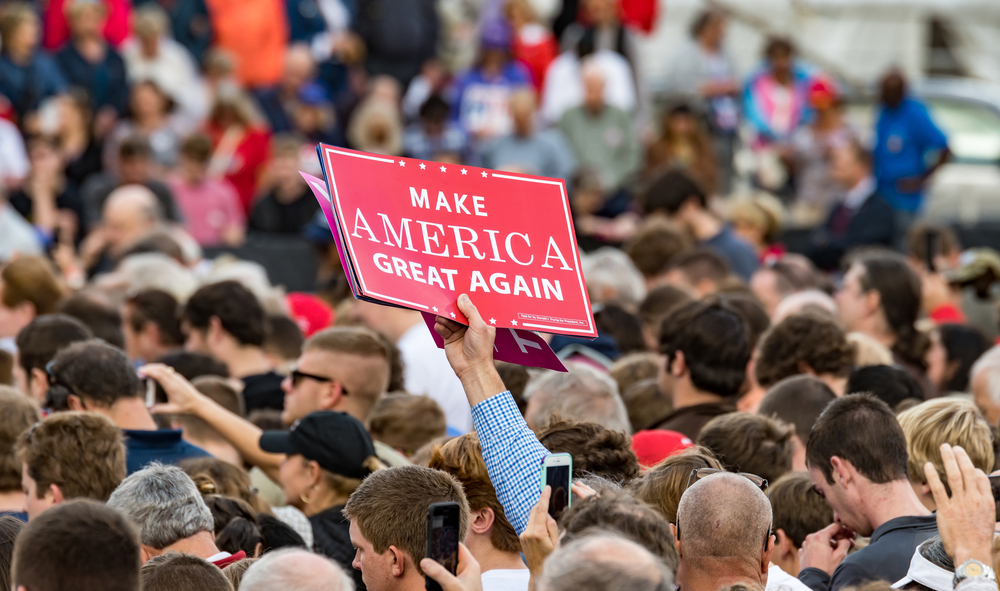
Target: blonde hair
760	210
869	351
945	420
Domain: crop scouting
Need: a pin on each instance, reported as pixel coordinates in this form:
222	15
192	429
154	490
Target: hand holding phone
557	472
442	539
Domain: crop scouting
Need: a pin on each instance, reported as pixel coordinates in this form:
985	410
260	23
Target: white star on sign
493	320
514	322
452	314
443	169
435	308
484	174
401	163
423	166
464	171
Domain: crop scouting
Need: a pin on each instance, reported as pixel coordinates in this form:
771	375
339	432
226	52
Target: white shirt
506	579
779	580
173	70
564	84
426	371
860	193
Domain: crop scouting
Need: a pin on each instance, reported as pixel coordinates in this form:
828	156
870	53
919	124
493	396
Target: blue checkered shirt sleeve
513	456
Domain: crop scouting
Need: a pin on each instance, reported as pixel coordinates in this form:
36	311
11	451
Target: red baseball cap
822	92
309	312
653	446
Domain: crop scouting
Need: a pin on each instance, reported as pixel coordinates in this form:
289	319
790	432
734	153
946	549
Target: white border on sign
327	150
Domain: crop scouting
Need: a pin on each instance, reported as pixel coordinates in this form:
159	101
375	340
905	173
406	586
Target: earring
304	499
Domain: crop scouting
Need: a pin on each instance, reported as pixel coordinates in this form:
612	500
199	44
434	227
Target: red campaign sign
417	234
522	347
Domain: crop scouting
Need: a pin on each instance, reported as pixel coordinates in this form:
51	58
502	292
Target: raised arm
183	398
512	453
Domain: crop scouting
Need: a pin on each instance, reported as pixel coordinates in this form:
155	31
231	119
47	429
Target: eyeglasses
699	473
297	377
761	483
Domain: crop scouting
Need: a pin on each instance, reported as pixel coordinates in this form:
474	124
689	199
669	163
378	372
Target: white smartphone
150	392
557	472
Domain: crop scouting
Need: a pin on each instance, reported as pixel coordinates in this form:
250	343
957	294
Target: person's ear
951	369
873	300
765	557
782	543
677	540
75	403
482	521
315	472
804	368
147	553
679	366
398	561
257	549
842	470
214	331
151	332
57	494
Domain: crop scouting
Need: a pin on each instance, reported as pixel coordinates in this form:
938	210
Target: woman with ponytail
881	296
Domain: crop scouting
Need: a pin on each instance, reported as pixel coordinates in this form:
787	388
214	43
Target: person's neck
885	502
354	408
594	110
288	192
712	574
244	361
128	413
92	48
836	383
320	501
150	121
19	54
789	565
876	328
707	45
827	119
221	450
750	401
704	225
201	545
12	500
685	394
491	558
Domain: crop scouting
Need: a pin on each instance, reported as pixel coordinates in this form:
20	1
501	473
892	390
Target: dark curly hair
237	308
595	450
803	342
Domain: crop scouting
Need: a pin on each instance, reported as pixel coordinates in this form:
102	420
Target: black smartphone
931	247
442	538
557	472
995	489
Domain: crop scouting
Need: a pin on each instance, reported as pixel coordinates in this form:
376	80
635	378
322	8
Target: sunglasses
699	473
297	377
761	483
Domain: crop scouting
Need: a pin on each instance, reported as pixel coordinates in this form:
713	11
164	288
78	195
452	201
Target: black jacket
874	224
332	538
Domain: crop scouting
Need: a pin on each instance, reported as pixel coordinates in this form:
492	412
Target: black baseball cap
338	442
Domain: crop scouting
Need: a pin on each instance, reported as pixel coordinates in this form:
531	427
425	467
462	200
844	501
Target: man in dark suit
861	217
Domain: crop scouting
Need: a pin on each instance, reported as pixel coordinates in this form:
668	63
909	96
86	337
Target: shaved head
723	516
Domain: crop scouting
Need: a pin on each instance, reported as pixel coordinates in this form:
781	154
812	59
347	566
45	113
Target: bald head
723	516
295	569
603	562
129	213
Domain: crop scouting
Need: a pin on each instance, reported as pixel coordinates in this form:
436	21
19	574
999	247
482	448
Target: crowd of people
818	419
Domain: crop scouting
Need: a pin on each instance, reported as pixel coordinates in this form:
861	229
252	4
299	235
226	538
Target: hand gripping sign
416	234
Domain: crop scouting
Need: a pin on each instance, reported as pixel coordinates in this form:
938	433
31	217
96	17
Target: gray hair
581	394
609	268
154	270
294	568
604	562
990	362
163	502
